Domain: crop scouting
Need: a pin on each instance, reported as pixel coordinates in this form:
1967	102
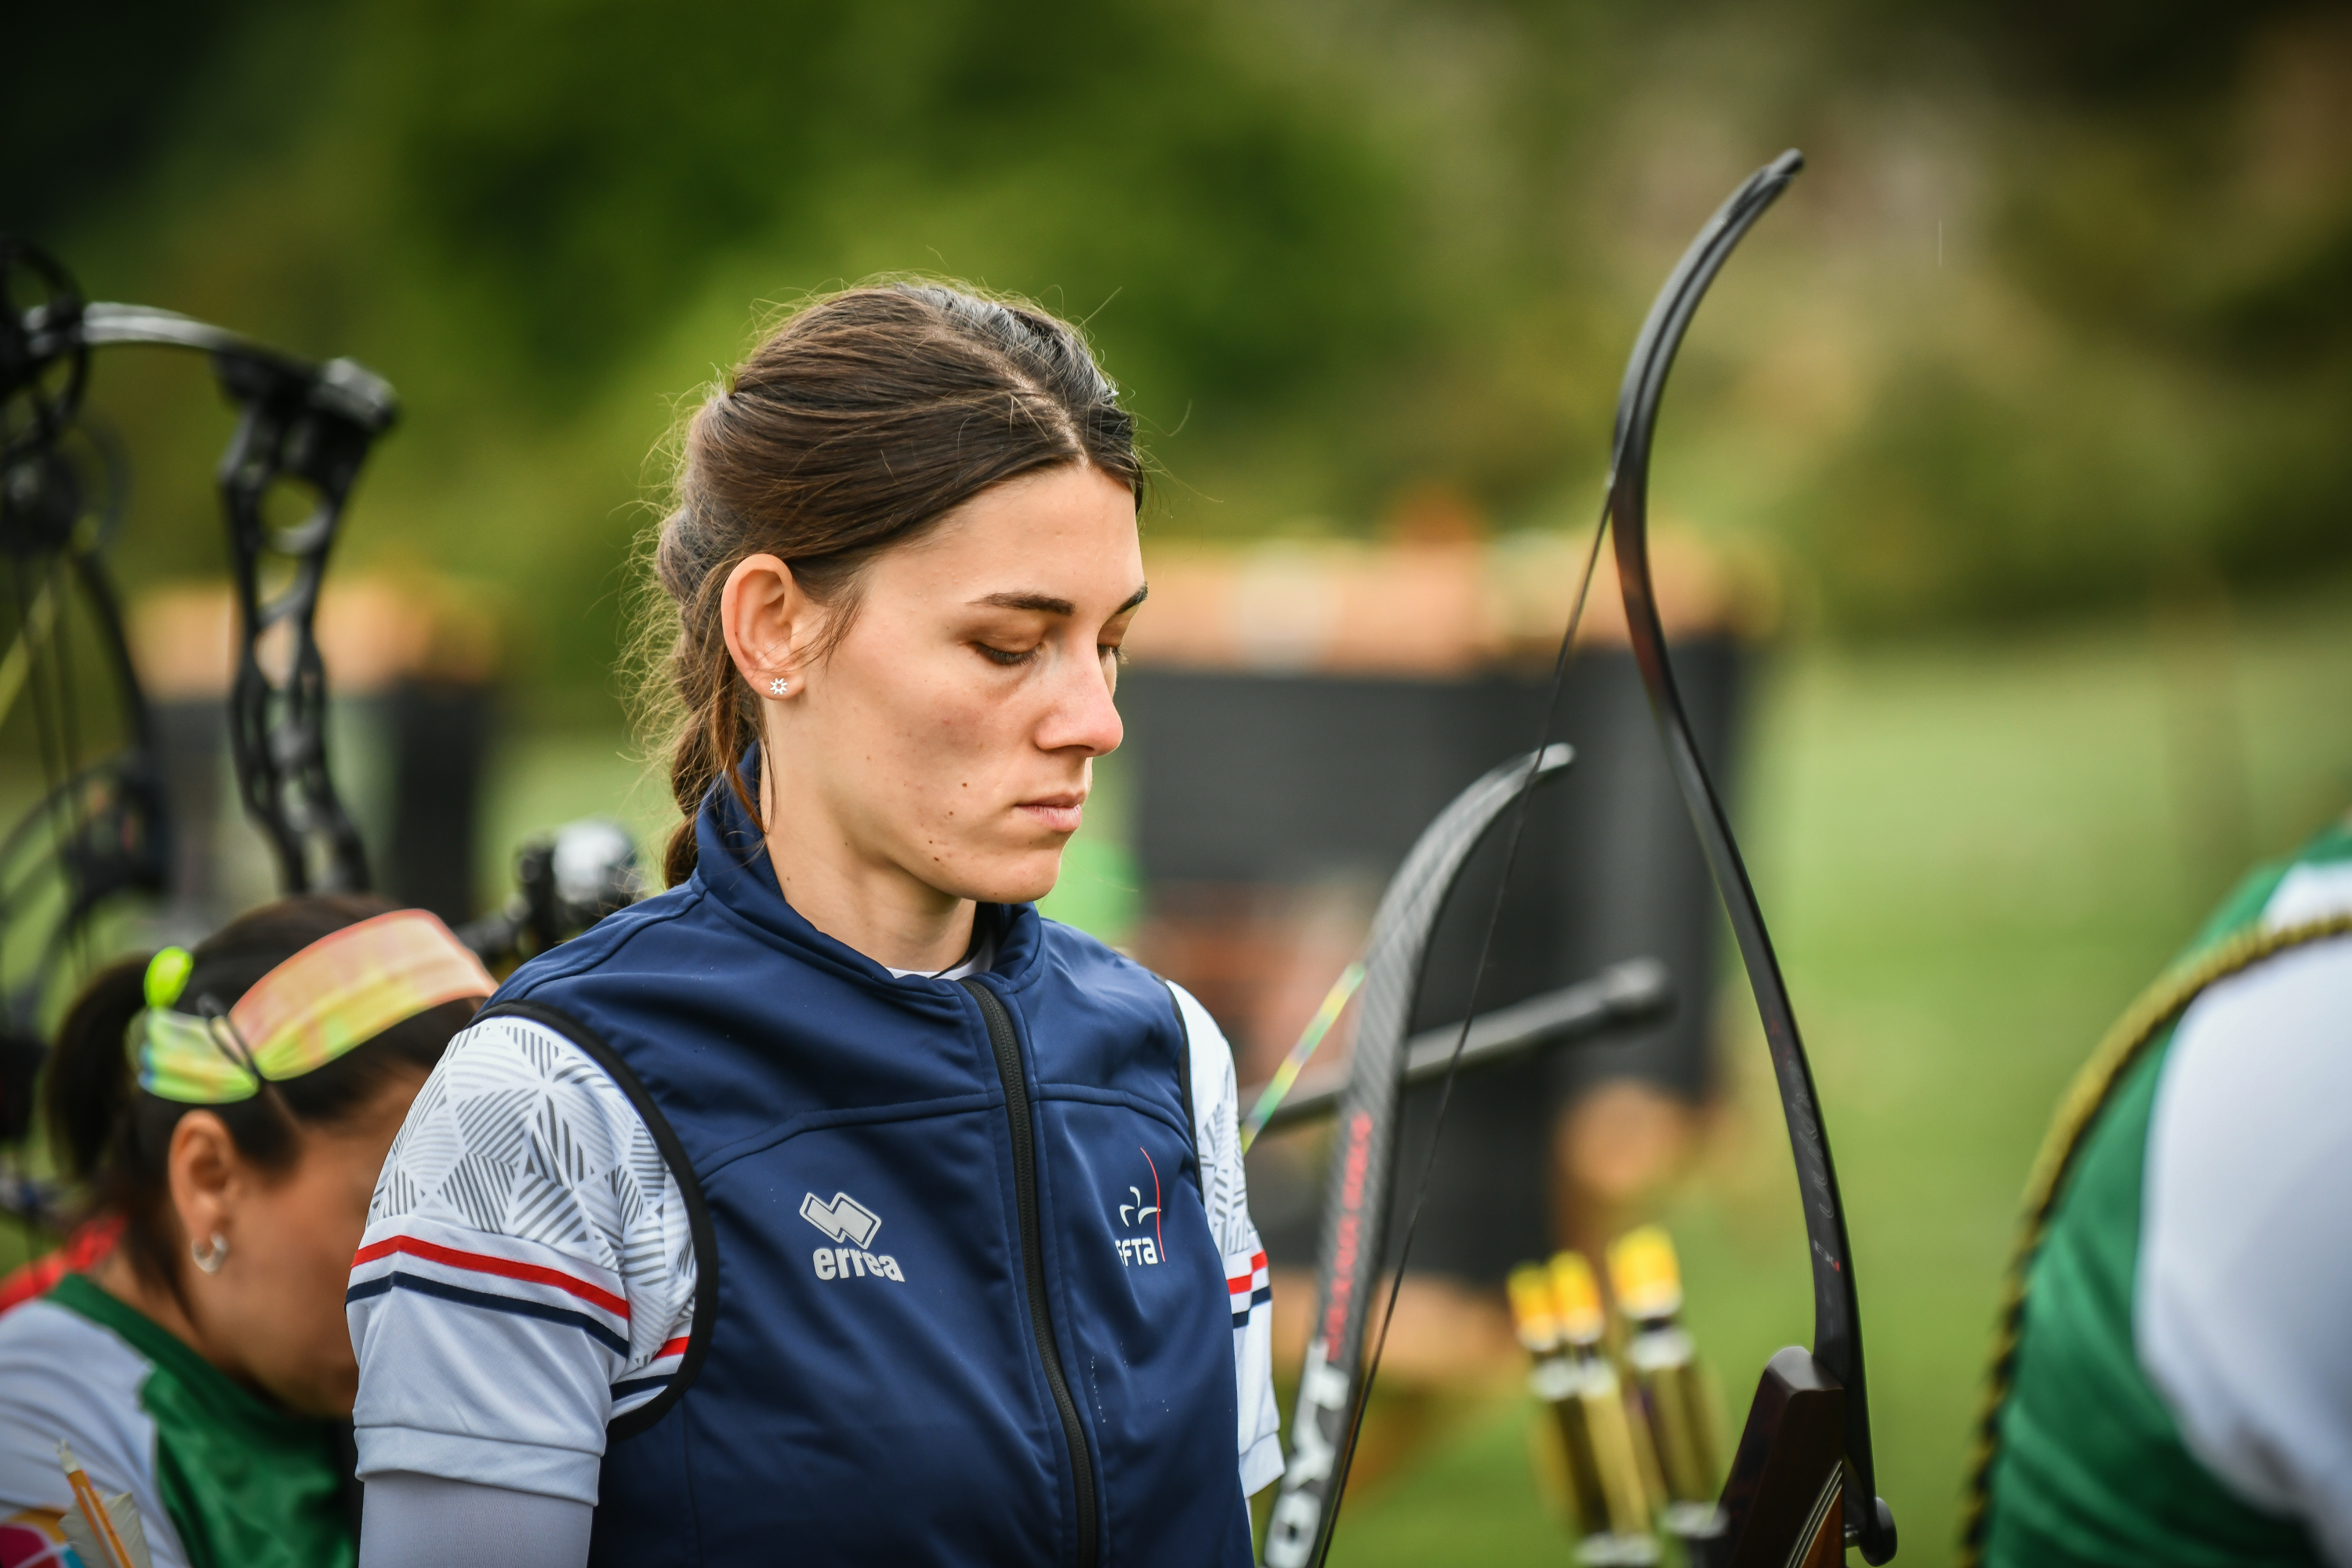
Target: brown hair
854	426
114	1138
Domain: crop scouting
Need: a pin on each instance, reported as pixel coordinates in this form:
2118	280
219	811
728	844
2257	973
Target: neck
870	906
116	1276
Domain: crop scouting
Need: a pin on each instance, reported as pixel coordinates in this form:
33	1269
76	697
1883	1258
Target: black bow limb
1804	1455
1337	1376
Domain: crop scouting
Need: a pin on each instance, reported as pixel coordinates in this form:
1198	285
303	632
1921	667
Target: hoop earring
779	686
210	1255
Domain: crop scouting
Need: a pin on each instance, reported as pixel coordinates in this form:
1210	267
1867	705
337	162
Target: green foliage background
2054	326
2055	321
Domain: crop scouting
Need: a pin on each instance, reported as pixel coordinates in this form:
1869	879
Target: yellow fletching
1645	1275
1576	1297
1532	1313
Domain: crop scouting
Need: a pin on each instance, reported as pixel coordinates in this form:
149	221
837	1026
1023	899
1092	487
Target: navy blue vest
940	1322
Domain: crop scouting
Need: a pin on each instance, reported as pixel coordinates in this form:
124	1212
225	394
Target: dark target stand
1256	784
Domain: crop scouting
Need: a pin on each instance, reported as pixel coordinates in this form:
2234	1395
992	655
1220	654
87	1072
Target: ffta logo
1141	1249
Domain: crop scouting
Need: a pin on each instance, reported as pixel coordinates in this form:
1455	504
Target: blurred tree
588	160
2060	314
2174	216
92	92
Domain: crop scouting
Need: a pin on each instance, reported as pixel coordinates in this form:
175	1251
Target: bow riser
312	424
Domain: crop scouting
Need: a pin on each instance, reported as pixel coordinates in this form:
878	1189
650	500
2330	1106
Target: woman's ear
766	614
208	1175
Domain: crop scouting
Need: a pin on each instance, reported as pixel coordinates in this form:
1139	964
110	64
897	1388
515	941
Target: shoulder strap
1184	1083
2142	1025
673	1153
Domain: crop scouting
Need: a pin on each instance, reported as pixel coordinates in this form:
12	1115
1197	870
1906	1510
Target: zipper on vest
1007	1046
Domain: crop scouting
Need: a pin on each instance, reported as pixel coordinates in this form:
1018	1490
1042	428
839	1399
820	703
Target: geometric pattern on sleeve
1224	1192
518	1134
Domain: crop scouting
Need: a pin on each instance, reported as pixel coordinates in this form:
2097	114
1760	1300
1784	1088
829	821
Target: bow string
1306	1536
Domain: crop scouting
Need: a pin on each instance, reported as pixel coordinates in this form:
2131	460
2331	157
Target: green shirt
2091	1467
246	1485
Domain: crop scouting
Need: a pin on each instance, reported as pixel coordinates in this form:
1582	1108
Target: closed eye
1005	655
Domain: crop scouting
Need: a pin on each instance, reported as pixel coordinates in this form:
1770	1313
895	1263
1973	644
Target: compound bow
102	821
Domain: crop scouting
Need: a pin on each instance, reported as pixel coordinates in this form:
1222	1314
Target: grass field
1971	854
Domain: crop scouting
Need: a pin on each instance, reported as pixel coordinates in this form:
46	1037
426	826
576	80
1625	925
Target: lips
1055	813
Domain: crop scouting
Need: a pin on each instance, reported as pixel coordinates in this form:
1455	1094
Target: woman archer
833	1204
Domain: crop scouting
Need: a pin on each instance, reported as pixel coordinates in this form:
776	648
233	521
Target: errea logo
1137	1213
847	1220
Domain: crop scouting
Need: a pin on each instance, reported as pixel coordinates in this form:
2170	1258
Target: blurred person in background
833	1204
2179	1389
230	1107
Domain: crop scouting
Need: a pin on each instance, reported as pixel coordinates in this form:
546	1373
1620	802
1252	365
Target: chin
1017	878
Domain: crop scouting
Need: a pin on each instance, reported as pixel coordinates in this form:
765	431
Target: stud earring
779	686
210	1257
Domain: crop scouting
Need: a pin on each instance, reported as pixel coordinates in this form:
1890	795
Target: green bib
247	1486
2089	1468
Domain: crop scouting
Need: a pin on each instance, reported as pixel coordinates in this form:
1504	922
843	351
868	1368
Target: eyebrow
1046	604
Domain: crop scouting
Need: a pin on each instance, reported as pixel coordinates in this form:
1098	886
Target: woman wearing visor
229	1109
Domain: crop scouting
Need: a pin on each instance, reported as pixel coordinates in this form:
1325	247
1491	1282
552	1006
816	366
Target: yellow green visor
341	991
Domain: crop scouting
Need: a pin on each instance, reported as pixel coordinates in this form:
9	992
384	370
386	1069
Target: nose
1083	716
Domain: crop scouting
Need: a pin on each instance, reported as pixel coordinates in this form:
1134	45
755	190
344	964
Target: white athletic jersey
528	1195
63	1376
2245	1256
